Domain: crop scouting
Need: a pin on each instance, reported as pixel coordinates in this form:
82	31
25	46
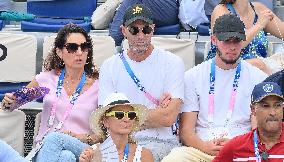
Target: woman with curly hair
72	80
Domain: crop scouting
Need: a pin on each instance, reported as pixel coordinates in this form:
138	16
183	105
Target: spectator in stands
211	4
258	20
266	142
164	12
216	105
278	78
113	124
71	76
7	153
146	73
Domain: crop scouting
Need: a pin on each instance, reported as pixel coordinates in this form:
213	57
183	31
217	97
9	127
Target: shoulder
91	81
198	69
110	62
168	59
47	76
258	6
162	53
219	10
254	71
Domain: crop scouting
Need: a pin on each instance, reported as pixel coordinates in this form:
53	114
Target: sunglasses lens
131	115
147	30
72	47
133	30
119	115
85	46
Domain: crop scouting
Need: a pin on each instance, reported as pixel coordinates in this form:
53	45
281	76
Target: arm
9	98
275	25
86	138
106	86
189	138
170	102
226	153
146	156
163	116
86	155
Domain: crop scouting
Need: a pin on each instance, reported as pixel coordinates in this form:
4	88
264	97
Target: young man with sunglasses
216	105
266	142
148	76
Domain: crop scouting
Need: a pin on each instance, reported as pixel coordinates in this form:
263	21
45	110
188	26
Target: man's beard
141	50
225	60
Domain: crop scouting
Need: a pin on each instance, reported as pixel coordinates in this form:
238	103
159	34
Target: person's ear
253	109
105	122
123	30
214	39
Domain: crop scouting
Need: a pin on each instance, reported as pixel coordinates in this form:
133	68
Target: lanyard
212	89
137	81
255	145
125	154
264	155
74	97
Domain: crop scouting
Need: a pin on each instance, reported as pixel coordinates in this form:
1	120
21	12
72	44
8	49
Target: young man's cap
229	26
264	89
137	12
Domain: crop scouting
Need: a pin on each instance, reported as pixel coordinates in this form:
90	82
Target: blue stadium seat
168	30
7	87
52	15
203	29
2	24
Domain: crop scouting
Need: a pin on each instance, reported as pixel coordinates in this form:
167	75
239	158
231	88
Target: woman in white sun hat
113	125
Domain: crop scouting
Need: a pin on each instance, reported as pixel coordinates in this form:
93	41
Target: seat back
17	62
2	24
12	129
167	30
62	8
103	47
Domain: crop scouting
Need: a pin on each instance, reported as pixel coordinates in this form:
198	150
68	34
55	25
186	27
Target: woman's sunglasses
73	47
121	114
135	30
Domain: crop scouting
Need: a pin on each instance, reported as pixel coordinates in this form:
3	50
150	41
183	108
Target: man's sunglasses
135	30
73	47
121	114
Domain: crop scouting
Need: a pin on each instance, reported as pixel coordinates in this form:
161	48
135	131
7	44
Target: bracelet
89	139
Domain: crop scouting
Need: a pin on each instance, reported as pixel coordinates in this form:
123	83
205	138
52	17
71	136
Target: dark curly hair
227	1
54	62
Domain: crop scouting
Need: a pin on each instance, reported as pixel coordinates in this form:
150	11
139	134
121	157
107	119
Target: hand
165	99
264	18
86	155
212	147
69	133
222	141
8	101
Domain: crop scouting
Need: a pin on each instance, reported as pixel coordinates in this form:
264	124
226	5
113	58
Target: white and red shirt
241	149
